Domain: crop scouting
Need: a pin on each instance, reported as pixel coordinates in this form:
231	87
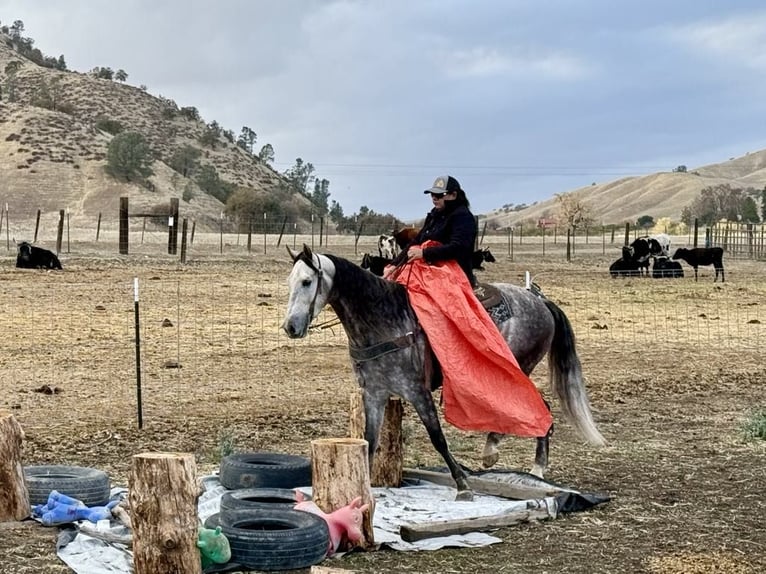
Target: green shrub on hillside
109	126
129	157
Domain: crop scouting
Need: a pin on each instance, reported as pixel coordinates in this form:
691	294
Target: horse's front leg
426	409
374	408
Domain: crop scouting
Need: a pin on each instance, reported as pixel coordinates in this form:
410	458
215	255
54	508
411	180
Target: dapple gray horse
389	350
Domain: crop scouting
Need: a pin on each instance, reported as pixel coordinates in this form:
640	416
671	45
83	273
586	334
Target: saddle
488	295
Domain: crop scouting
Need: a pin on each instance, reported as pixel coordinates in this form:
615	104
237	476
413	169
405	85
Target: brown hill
51	160
657	194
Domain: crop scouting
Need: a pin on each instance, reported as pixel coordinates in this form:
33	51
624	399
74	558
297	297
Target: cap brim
436	190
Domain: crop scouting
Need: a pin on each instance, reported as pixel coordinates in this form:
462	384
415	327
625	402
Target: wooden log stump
14	496
325	570
388	462
339	474
163	494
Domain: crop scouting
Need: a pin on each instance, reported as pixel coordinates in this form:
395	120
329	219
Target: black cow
624	268
665	267
480	256
31	257
375	264
703	256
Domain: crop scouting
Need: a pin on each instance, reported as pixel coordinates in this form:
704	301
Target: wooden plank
486	486
536	510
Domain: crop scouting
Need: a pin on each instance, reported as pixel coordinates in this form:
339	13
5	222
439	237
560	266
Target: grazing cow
665	267
387	246
31	257
480	256
703	256
375	264
404	236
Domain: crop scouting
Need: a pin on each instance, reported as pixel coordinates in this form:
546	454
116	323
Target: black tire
265	470
274	538
250	498
89	485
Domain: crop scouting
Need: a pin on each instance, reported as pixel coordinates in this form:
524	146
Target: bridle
320	280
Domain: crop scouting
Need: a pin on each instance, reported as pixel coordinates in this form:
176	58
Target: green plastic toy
213	546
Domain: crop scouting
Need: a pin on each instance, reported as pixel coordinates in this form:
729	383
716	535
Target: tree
11	79
103	73
680	169
211	134
246	139
120	75
266	155
713	204
129	156
645	222
210	182
572	211
185	160
749	211
299	176
16	29
763	204
320	196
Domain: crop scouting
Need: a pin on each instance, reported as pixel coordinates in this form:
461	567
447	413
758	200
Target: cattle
387	246
664	267
375	264
480	256
32	257
703	256
624	266
644	248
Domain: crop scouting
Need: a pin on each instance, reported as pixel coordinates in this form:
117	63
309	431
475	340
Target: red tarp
484	389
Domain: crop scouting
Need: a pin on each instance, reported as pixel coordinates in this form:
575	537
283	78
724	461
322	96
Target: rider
451	223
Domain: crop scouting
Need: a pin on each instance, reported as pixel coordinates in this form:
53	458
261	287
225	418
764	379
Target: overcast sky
518	100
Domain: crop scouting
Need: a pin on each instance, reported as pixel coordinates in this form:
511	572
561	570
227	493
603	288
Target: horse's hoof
464	496
490	460
537	470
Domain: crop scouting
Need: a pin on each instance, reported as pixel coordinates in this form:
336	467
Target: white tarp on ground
394	506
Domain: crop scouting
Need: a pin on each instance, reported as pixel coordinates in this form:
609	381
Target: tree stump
163	494
388	462
339	474
14	497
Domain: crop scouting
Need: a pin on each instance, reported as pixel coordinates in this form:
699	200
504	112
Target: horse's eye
306	282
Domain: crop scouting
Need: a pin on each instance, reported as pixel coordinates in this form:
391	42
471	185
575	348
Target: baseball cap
444	184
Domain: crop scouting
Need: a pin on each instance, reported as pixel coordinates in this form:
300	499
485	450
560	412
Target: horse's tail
566	378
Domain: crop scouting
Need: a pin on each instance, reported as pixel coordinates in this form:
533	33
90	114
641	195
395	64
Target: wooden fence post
123	225
163	494
98	226
14	497
37	226
60	234
184	227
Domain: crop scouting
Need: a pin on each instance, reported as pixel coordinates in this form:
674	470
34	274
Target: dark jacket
455	228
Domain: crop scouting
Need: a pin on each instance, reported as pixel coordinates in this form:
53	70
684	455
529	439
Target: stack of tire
89	485
257	515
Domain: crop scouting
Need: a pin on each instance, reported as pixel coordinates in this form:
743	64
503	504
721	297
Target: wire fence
211	338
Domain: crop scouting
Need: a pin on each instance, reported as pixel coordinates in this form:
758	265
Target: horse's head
309	285
488	257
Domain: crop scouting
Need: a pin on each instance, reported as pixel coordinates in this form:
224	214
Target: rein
364	354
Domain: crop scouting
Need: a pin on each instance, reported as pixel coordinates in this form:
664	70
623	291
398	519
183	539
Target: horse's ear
293	254
307	252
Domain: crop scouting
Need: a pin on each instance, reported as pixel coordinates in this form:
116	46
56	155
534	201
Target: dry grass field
674	370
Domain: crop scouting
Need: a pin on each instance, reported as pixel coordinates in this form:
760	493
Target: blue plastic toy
62	509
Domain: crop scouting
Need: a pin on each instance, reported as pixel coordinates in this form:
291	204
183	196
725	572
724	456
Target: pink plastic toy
345	523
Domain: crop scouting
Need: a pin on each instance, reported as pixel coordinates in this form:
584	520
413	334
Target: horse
391	356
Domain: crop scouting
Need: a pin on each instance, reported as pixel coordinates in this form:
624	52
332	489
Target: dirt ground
674	370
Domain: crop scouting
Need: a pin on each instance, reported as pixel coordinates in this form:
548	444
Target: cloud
738	40
485	61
